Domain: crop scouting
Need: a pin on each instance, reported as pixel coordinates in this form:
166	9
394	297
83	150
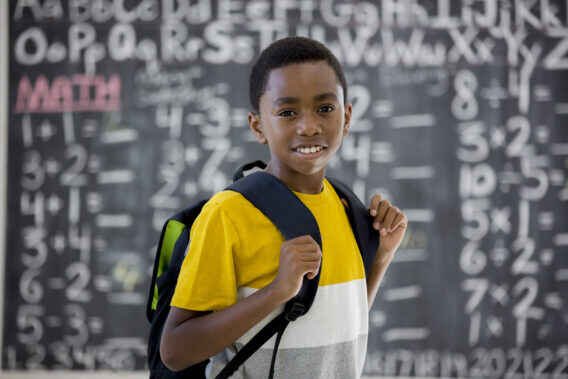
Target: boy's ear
256	127
347	118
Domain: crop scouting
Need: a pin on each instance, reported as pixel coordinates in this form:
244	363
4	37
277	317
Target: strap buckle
295	311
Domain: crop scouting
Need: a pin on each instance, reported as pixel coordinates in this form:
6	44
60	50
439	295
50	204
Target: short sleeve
207	280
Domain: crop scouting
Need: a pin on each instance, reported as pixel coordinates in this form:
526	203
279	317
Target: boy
239	271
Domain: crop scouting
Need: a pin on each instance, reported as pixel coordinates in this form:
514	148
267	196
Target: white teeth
308	150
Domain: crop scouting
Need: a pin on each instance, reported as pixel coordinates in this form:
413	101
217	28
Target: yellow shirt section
234	245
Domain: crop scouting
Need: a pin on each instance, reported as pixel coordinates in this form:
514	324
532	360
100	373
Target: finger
306	238
306	251
312	270
399	222
306	248
384	205
307	244
296	243
390	215
374	204
310	257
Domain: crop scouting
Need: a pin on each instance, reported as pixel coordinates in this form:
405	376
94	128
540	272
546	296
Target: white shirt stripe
342	304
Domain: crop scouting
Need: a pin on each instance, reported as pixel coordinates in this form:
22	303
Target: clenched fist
298	257
390	222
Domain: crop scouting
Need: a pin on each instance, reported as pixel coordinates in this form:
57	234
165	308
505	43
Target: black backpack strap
292	218
247	167
277	202
277	325
361	223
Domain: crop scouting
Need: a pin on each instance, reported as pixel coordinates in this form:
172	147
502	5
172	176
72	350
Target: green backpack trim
171	234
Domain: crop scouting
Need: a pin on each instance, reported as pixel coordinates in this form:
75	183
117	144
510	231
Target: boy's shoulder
228	202
225	199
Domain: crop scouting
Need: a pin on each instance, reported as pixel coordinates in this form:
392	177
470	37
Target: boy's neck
309	184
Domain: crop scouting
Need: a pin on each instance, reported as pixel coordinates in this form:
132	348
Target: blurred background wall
122	112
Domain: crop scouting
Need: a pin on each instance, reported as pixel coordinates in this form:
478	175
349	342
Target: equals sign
382	152
114	220
119	136
563	194
561	108
53	321
407	334
403	293
553	300
115	176
96	325
239	117
195	119
413	121
103	283
556	177
414	172
509	177
546	220
561	275
542	93
419	215
559	149
561	239
56	283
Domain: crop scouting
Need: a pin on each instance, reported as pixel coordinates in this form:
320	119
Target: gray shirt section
339	361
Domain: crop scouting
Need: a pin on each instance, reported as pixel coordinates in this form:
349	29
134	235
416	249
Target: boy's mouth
308	149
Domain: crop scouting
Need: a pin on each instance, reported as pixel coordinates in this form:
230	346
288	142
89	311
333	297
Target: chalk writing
124	112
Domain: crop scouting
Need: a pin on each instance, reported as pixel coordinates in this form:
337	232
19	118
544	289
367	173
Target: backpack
291	217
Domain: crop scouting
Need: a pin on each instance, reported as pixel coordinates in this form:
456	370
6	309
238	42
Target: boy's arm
190	337
391	223
380	265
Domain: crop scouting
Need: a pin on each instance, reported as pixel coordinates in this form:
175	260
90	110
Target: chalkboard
122	112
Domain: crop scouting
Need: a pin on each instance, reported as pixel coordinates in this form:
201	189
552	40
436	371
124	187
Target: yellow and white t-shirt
235	250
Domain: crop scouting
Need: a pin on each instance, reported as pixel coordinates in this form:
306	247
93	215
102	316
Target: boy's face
303	119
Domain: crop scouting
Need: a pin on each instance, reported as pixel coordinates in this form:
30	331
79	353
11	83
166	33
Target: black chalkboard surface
122	112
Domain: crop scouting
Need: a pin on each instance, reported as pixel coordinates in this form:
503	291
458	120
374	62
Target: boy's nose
308	126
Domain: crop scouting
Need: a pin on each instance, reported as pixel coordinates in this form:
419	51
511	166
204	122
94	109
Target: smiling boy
239	272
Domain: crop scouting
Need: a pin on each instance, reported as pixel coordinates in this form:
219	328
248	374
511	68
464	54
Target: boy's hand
391	223
298	257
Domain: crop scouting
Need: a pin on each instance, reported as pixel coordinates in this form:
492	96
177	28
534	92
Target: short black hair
286	51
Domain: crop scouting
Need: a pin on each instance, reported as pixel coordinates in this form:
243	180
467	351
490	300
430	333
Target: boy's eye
287	113
327	108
